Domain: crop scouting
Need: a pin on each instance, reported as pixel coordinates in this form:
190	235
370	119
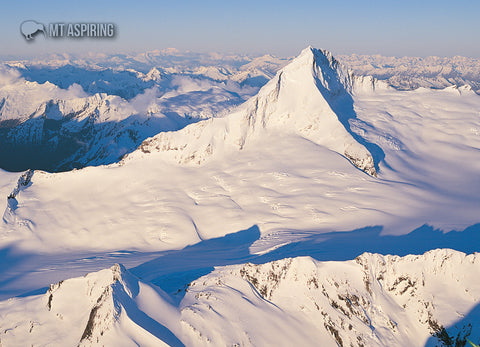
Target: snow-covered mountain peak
95	308
298	101
333	76
317	54
153	75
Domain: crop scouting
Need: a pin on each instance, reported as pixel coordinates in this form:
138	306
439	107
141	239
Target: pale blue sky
419	28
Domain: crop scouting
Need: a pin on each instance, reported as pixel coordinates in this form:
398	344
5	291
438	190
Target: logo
30	29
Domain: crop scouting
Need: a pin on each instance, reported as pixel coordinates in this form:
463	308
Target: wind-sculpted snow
373	300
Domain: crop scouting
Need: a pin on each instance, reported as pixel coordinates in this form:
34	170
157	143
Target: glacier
225	200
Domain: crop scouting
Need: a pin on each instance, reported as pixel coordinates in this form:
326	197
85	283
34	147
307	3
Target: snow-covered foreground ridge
373	300
299	100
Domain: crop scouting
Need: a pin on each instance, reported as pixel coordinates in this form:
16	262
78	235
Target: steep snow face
295	102
85	311
370	301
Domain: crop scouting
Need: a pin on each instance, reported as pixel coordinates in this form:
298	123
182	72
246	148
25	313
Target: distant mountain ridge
401	72
409	73
72	125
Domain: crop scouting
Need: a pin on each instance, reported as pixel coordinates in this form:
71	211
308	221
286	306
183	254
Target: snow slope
370	301
291	175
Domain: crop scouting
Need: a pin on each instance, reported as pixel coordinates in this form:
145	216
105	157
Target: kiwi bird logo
30	28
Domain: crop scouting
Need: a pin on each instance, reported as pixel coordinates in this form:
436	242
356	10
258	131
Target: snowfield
241	212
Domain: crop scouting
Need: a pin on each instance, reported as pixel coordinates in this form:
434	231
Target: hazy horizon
408	28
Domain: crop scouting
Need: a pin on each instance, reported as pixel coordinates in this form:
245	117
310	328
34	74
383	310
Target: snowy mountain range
372	300
402	72
413	72
94	117
254	202
68	122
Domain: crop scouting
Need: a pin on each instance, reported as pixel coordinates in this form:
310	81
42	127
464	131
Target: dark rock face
39	144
